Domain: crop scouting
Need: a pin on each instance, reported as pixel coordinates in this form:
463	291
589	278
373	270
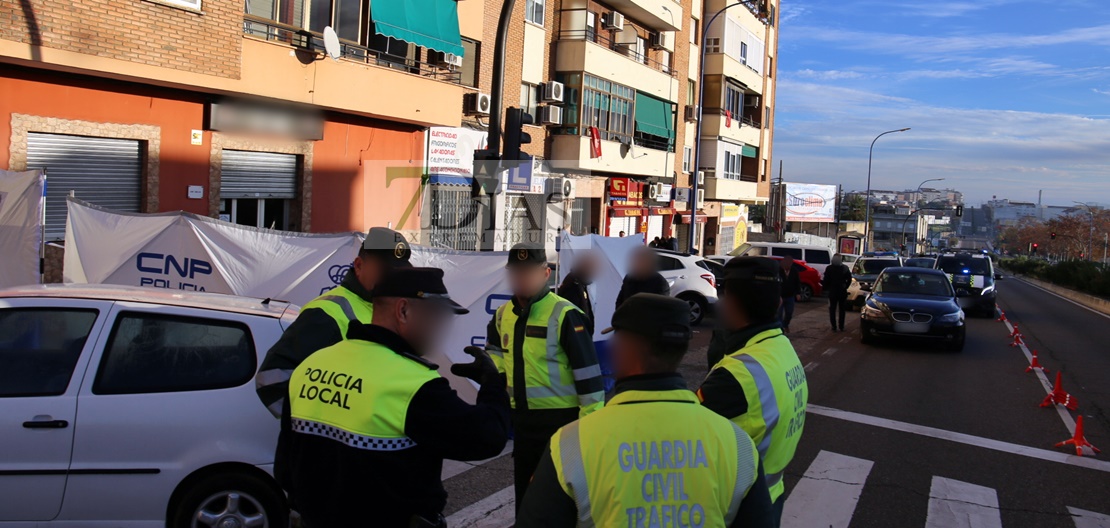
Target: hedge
1081	275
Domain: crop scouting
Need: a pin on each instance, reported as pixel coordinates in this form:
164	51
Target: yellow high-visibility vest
344	306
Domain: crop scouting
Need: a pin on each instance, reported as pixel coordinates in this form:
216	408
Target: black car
915	303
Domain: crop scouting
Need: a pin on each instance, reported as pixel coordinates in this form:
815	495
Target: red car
809	278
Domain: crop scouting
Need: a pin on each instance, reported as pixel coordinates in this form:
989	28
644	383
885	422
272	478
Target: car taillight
709	278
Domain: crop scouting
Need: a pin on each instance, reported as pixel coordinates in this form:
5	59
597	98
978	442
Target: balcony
728	190
572	152
582	49
742	130
722	64
660	15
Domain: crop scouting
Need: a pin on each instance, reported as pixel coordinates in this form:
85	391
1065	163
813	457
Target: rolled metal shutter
246	174
103	171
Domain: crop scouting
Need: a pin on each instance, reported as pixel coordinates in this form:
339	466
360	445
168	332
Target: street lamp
917	196
701	110
867	198
1091	235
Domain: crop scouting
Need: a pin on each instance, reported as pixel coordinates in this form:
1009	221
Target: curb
1097	304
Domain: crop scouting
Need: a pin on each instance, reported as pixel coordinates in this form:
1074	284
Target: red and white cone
1035	364
1017	341
1059	397
1001	316
1078	440
1015	331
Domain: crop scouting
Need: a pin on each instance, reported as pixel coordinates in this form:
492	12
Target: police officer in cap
758	381
368	421
544	345
324	320
653	456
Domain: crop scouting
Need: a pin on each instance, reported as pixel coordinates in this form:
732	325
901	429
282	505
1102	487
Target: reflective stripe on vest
665	458
357	393
343	306
544	359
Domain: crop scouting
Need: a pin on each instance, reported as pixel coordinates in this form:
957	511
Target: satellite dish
331	43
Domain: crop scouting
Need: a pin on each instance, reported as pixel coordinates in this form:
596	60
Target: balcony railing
600	38
740	177
653	142
302	39
745	120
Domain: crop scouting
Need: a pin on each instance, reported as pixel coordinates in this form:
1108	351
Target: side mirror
997	276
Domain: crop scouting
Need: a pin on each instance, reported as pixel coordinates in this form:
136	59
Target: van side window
39	348
756	251
784	251
149	353
817	256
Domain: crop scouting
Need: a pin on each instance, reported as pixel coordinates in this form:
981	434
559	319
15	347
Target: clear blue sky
1005	97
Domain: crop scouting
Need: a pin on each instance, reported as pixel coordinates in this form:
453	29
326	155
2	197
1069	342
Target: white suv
691	280
136	406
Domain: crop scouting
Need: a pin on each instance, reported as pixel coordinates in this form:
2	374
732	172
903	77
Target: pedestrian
575	287
672	243
758	383
368	422
324	320
607	469
544	346
655	243
621	234
643	276
790	286
836	281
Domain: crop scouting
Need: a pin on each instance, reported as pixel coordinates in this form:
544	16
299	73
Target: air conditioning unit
449	60
751	100
553	92
660	193
476	104
614	20
559	189
701	177
551	115
653	191
691	113
658	40
701	198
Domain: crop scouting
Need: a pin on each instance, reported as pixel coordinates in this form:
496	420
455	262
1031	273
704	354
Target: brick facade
139	31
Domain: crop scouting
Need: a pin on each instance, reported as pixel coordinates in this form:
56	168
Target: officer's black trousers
532	431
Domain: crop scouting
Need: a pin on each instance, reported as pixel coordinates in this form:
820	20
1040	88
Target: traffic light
959	210
1053	235
515	119
1035	246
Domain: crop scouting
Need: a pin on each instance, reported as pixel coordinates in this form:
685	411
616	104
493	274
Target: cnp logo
161	264
336	273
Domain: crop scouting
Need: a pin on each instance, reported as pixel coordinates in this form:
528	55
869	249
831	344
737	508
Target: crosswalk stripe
1089	519
955	504
452	468
828	492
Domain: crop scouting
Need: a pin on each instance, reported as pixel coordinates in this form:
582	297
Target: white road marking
961	438
1050	292
1089	519
452	468
811	365
1065	416
845	339
496	511
829	352
955	504
828	492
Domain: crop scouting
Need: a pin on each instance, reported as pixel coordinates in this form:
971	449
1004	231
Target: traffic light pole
497	87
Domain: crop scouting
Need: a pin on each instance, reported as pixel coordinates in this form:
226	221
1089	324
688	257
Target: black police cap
417	283
756	270
656	317
389	246
524	254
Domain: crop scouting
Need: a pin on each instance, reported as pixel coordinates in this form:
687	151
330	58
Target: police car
136	407
973	277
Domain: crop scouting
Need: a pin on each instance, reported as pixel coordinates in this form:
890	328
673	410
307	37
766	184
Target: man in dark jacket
790	286
643	276
575	286
836	281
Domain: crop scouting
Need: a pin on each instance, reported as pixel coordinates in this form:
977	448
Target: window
767	117
766	170
771	16
691	93
693	30
344	16
468	74
150	353
817	256
743	53
665	60
534	11
289	12
605	105
770	66
640	51
687	158
713	44
528	96
733	162
191	4
591	26
734	100
39	348
784	251
670	264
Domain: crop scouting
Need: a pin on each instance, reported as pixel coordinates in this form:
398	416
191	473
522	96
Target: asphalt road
902	434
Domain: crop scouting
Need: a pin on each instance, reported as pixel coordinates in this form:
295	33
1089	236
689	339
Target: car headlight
988	290
872	312
954	317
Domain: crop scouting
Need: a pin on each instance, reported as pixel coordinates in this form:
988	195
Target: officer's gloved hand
481	370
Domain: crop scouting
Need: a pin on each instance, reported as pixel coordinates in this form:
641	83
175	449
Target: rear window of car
965	265
669	264
873	266
151	353
929	284
39	348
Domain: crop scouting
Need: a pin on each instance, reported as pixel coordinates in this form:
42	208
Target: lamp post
701	111
1091	235
867	198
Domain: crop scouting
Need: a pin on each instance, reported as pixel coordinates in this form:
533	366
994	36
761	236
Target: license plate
961	279
911	328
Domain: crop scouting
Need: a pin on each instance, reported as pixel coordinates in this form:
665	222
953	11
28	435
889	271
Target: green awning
654	116
749	152
429	23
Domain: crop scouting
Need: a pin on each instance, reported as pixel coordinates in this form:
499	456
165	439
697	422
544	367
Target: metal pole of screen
42	230
867	197
693	203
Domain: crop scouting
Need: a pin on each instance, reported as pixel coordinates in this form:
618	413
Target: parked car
136	406
810	278
864	273
973	276
921	262
915	303
690	281
816	257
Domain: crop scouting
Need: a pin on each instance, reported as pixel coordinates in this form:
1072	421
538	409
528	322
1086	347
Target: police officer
544	346
324	320
758	383
652	456
368	421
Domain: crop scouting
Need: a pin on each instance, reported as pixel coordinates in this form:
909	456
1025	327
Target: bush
1087	277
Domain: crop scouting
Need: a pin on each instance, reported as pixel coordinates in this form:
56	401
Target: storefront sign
239	117
626	211
520	178
730	212
618	187
662	211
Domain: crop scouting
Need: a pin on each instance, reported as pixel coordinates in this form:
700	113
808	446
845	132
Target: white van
816	256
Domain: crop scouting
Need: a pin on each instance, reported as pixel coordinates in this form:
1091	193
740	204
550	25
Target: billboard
810	202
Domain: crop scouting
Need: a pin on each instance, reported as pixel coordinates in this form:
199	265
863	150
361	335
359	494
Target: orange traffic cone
1001	316
1017	341
1015	331
1078	440
1035	364
1059	397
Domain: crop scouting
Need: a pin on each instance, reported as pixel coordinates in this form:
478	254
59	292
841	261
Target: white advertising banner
21	216
451	152
810	202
